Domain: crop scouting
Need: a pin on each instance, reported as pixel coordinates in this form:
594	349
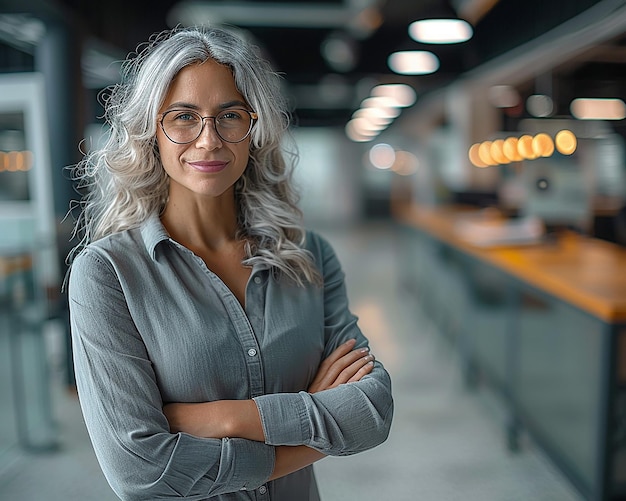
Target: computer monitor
559	190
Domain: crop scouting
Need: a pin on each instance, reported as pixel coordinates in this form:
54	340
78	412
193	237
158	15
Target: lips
208	165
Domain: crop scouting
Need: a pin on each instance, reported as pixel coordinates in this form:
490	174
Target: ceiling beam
267	14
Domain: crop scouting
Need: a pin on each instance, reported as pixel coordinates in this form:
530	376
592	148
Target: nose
208	137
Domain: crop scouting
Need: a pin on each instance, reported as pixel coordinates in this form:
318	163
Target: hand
344	365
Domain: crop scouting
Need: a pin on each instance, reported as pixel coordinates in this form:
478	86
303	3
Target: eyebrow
191	106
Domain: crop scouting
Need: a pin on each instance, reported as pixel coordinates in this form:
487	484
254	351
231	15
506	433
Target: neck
201	222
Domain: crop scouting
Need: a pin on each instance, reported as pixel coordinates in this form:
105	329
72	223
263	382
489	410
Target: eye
231	116
184	116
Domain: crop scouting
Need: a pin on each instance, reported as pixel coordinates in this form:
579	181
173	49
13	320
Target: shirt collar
153	232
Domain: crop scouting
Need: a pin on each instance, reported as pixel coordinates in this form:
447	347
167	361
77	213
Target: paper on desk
490	232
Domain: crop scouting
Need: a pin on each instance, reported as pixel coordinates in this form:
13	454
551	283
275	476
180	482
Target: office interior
477	203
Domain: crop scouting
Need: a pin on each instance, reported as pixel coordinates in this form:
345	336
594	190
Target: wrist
290	459
241	419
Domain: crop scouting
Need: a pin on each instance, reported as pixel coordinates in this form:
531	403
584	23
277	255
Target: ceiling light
484	153
353	133
382	156
415	62
509	148
383	106
378	102
402	95
474	156
540	105
497	153
598	109
366	126
360	130
440	31
525	147
373	115
542	145
566	142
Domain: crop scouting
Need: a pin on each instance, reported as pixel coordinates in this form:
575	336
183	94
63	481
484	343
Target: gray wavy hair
125	180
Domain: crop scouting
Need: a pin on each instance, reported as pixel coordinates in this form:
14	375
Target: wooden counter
544	323
588	273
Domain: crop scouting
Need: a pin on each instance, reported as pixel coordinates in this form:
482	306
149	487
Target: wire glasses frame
185	126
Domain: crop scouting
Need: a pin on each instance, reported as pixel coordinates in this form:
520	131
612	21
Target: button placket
254	307
255	304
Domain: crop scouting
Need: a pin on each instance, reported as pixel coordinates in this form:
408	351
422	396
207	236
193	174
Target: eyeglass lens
231	126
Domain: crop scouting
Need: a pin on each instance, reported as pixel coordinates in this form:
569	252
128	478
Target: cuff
284	418
253	463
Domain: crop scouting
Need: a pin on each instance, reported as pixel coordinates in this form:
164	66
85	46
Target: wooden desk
545	325
586	272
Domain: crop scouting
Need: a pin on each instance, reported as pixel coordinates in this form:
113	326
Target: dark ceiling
295	51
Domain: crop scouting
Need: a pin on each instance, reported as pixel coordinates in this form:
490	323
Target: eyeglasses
185	126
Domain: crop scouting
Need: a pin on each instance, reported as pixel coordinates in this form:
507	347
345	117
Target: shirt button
251	352
257	280
262	489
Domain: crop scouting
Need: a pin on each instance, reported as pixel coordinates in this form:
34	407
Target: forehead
204	84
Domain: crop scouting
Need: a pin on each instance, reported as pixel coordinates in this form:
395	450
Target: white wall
328	175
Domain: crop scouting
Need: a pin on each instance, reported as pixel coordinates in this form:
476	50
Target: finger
338	352
335	362
322	378
333	372
332	367
351	370
363	371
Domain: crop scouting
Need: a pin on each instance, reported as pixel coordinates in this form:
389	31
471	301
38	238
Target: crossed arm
241	419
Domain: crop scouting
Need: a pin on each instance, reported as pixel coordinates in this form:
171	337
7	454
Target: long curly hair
124	180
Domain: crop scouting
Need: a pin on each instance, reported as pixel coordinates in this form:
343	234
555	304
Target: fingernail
364	350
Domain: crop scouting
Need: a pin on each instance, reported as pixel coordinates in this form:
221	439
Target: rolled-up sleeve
348	419
122	405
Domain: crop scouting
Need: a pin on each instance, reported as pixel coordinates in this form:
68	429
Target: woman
215	354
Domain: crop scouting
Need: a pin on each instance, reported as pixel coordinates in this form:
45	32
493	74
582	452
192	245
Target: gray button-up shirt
151	324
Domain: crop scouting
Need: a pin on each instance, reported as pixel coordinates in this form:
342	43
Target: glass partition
28	264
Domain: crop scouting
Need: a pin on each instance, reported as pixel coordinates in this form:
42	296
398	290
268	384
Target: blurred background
465	158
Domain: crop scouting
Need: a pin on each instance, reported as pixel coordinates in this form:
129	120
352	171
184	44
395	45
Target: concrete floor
446	443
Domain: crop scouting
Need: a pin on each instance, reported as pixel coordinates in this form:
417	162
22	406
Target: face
208	166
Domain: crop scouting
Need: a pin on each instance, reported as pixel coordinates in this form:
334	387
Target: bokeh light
566	142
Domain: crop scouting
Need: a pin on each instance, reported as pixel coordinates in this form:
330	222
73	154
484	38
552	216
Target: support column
58	58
